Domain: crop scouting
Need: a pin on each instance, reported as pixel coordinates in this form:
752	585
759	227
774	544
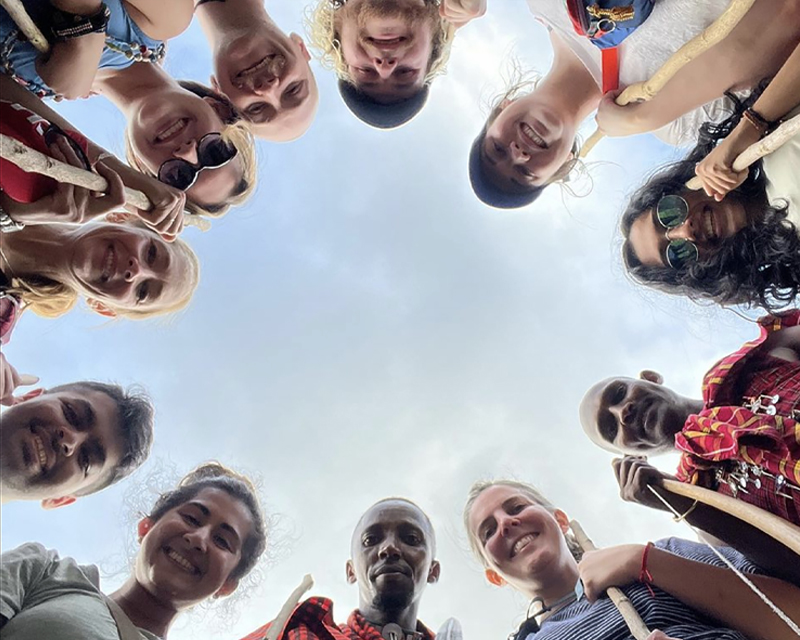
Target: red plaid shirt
313	620
726	432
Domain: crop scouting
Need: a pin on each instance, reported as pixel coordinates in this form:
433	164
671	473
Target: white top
782	168
47	597
671	25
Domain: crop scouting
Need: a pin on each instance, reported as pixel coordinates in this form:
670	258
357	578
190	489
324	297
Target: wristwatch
65	26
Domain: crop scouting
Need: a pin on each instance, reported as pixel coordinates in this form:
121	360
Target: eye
524	171
70	415
414	539
294	89
190	519
514	509
223	543
141	291
152	253
255	109
366	71
619	394
499	150
487	533
84	462
369	540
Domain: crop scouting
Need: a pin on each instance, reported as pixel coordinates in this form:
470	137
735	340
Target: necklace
531	624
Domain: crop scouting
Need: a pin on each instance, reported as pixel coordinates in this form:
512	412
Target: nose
197	538
384	65
506	524
133	269
623	412
69	440
389	548
518	154
684	231
263	84
187	151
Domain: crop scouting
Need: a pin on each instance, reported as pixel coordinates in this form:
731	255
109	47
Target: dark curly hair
759	266
217	476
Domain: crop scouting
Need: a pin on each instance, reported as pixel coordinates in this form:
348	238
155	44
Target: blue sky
365	328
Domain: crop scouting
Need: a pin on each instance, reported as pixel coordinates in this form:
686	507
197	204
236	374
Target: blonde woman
121	270
524	542
385	53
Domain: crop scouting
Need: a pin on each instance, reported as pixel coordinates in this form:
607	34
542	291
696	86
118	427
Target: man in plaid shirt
741	439
392	560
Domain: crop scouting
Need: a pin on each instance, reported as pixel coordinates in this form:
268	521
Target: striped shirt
601	620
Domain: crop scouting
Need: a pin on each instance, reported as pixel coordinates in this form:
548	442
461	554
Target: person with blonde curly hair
263	71
122	270
385	53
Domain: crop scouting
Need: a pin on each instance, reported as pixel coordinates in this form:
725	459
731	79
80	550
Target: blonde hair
51	299
525	489
323	38
236	134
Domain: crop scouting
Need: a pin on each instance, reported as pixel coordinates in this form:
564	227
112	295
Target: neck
143	608
406	617
41	250
570	84
127	87
693	407
221	20
555	585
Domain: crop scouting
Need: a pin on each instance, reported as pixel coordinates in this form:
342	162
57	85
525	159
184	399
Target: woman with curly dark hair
737	241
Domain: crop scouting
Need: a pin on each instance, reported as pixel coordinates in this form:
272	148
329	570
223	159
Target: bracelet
8	224
759	122
688	511
645	576
66	26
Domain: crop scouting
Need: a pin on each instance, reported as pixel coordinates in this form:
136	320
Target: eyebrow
206	512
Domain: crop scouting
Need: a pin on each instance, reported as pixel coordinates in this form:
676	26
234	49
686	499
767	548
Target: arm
10	379
21	571
460	12
161	20
166	215
634	474
714	591
779	98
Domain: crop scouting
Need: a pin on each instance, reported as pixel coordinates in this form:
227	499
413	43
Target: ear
120	217
494	577
300	45
33	393
99	307
350	571
227	589
652	376
562	519
55	503
143	528
504	103
434	571
212	80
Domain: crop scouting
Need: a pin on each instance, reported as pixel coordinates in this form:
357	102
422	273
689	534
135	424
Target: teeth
172	130
40	454
533	137
181	561
523	542
276	62
709	225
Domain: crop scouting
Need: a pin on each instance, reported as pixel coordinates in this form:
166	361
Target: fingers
166	216
114	197
10	379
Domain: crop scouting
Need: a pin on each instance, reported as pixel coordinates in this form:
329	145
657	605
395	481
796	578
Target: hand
615	120
69	203
166	215
612	567
634	474
71	66
10	379
460	12
716	169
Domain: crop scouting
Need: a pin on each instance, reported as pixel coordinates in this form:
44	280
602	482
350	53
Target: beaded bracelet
645	576
759	122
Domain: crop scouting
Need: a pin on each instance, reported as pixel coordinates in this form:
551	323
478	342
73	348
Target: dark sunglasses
672	212
212	153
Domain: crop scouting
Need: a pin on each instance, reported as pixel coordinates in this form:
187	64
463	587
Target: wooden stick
21	18
644	91
781	530
275	629
33	161
762	148
634	621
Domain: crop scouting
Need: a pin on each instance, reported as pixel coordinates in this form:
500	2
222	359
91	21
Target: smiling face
708	225
188	554
525	145
392	556
266	74
59	444
169	124
387	45
634	416
521	542
129	268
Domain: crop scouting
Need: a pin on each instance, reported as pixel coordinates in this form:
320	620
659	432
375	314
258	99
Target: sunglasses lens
672	211
213	151
177	173
680	253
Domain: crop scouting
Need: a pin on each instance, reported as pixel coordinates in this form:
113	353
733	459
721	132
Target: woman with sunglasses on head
198	542
738	240
122	270
529	139
523	541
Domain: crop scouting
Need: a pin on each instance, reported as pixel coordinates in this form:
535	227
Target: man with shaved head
392	560
742	439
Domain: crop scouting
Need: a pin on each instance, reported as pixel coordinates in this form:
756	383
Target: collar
365	630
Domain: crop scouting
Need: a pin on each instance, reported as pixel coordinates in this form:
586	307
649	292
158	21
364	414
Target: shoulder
701	552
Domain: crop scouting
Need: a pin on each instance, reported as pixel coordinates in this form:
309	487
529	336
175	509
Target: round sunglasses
672	211
212	153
